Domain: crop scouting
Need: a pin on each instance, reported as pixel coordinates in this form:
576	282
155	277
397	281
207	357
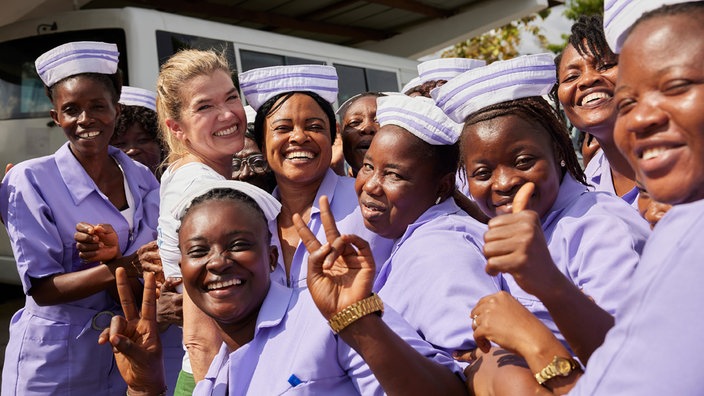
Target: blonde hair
173	76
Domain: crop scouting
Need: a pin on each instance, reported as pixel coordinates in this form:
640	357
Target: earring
437	201
563	163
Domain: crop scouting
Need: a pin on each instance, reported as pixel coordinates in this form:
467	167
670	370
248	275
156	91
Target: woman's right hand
135	338
340	272
150	261
169	305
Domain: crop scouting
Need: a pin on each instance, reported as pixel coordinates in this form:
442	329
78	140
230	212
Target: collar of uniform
567	195
274	307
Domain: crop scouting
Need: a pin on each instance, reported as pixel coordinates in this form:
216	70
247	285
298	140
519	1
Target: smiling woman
202	122
52	347
555	247
586	76
295	128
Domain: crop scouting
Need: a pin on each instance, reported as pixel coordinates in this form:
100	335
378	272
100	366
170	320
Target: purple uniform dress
595	239
435	276
656	346
345	209
598	172
294	352
54	349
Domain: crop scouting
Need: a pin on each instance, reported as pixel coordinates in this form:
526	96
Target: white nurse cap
522	77
76	58
260	85
446	68
268	204
620	15
133	96
419	116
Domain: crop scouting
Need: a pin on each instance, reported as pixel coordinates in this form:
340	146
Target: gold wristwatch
355	311
559	367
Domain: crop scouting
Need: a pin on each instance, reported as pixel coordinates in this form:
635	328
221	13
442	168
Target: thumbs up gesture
515	244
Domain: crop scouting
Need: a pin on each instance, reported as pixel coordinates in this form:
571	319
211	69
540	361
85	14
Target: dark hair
113	82
443	157
425	88
537	111
144	117
693	7
356	98
268	108
229	194
587	38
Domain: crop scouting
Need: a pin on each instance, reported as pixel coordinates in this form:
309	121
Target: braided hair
537	111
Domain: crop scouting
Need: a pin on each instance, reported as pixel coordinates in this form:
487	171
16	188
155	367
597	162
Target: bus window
254	59
21	91
381	81
168	43
351	81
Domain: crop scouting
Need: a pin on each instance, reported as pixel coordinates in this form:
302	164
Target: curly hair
539	112
144	117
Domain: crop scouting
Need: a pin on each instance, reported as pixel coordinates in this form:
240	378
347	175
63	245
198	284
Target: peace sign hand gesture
341	271
135	338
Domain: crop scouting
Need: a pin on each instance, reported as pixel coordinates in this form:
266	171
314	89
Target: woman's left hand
501	319
340	272
96	242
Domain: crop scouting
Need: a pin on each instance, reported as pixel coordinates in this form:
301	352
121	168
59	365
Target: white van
146	38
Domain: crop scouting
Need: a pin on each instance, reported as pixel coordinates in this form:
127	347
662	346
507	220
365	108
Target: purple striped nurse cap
420	116
76	58
620	15
133	96
260	85
446	68
522	77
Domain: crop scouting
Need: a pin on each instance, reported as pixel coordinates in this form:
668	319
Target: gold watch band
355	311
559	367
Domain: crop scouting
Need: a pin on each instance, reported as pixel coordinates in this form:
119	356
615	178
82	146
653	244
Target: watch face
563	366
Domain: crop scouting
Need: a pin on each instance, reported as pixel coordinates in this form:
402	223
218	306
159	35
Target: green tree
573	10
500	43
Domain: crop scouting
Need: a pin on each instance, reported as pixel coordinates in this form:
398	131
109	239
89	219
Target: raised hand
341	271
96	242
135	338
515	244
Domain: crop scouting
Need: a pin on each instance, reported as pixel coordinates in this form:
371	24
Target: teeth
595	96
221	285
90	134
652	152
300	154
227	131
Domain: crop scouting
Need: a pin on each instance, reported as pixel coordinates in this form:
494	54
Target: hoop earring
437	201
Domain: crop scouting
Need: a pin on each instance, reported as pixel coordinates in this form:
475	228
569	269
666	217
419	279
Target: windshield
21	91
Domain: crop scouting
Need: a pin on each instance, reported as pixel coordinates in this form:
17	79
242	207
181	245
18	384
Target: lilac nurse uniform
436	275
595	239
294	352
656	346
54	349
345	209
598	172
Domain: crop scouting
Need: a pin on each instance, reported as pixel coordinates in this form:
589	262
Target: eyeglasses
255	162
